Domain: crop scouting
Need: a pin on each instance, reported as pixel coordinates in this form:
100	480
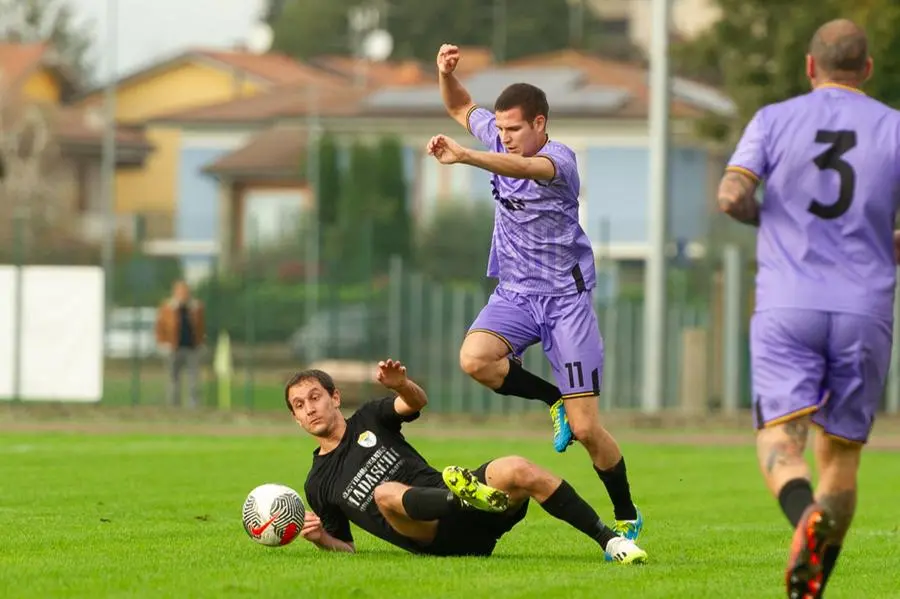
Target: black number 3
841	143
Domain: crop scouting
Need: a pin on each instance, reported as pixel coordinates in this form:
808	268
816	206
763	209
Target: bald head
840	50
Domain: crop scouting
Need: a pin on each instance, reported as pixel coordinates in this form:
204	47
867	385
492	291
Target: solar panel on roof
562	87
702	96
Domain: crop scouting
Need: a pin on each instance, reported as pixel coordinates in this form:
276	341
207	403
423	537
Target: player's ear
336	398
540	123
867	70
810	67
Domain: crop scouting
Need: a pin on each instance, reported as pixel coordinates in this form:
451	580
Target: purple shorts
831	365
567	327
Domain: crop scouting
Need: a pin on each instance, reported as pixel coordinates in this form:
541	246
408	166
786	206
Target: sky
152	29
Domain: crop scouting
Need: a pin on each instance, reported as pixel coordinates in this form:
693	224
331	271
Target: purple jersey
830	165
538	246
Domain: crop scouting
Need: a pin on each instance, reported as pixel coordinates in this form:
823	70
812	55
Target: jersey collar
833	85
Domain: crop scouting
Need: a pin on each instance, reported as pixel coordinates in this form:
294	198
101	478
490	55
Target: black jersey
341	484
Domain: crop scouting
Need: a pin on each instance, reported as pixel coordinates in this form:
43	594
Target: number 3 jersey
830	169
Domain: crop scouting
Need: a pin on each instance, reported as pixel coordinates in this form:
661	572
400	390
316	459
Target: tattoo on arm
737	197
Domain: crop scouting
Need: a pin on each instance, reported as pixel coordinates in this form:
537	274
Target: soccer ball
273	514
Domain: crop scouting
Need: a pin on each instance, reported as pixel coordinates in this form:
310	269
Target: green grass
152	516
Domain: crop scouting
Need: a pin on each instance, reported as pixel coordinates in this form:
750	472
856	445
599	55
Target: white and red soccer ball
273	514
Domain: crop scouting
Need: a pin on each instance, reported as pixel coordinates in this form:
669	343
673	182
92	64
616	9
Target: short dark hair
530	99
305	375
840	46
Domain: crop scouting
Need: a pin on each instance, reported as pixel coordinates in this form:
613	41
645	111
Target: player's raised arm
410	396
456	99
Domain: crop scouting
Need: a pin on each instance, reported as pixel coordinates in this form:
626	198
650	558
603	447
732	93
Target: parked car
131	333
347	332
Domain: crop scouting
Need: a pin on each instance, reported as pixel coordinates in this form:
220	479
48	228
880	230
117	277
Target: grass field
159	516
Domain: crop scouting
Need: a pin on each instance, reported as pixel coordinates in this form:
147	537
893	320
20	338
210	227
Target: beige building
689	17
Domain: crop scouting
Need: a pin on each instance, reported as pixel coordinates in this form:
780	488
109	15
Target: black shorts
472	532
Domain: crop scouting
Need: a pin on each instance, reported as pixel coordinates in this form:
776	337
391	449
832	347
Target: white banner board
61	334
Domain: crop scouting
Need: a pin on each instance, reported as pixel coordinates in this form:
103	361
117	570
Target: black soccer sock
795	496
521	383
568	506
427	503
616	482
830	559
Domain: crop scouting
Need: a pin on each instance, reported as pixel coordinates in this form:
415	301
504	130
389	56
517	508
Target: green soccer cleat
562	432
630	529
473	492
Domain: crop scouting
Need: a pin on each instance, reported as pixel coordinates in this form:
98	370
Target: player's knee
522	473
476	365
388	496
587	431
469	363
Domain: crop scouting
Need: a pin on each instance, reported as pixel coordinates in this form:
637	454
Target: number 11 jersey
829	163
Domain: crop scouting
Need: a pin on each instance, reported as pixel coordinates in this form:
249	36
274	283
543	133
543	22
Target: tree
349	246
393	226
756	52
329	183
54	21
31	197
308	28
455	244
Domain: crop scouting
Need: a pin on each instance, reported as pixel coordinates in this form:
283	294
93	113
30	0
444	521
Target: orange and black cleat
805	569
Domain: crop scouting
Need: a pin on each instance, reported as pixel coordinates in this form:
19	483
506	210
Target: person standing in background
180	333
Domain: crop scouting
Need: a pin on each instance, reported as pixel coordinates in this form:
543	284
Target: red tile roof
275	68
606	72
378	74
19	60
285	101
84	126
272	69
277	152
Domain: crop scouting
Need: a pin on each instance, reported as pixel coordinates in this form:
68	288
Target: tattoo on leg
790	451
798	432
779	455
841	506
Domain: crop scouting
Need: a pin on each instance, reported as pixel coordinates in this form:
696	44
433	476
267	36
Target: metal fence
266	331
265	321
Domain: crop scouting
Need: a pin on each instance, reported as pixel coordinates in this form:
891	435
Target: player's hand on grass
445	149
447	59
391	374
312	528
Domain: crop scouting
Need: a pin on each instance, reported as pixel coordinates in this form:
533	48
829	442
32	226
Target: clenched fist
447	59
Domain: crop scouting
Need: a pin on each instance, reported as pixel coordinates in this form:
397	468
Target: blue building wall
197	216
197	212
616	188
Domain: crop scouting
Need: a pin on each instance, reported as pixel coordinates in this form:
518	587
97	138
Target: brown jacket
168	324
